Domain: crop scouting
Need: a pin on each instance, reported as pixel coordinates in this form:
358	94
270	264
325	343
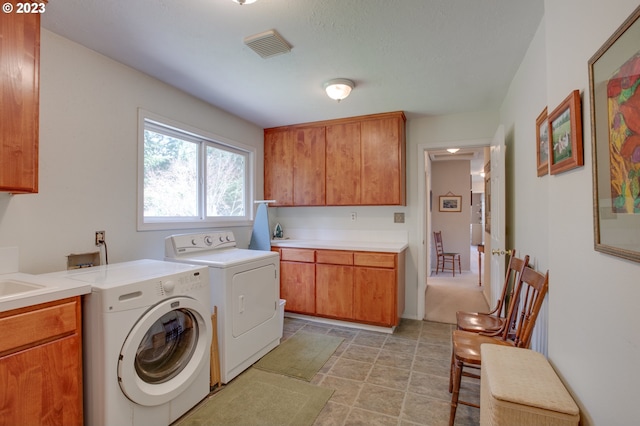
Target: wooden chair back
514	270
437	236
527	300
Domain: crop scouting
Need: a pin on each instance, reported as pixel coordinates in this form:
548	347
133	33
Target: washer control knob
194	242
208	240
221	239
168	286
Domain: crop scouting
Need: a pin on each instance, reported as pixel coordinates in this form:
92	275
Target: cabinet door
297	286
343	164
309	167
383	161
19	97
334	291
43	385
278	167
374	295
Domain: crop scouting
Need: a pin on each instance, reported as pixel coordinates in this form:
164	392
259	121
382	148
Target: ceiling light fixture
453	150
241	2
339	88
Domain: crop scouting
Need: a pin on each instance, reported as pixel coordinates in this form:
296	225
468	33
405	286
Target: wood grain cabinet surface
19	97
41	364
365	287
346	162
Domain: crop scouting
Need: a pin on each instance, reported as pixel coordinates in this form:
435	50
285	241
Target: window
191	179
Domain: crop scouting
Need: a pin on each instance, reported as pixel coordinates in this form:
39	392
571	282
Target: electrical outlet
354	216
398	217
100	236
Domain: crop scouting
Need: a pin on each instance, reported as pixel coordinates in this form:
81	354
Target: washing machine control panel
193	243
183	284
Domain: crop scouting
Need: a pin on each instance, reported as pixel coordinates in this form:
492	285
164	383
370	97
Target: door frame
424	214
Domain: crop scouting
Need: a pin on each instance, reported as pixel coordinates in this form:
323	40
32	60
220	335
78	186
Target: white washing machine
245	286
146	341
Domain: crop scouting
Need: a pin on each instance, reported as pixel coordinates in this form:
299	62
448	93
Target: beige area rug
300	356
259	398
446	295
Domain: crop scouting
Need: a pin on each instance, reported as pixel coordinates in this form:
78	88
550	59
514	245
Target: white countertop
377	246
51	289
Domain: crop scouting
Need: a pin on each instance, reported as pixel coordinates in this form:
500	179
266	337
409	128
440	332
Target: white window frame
202	221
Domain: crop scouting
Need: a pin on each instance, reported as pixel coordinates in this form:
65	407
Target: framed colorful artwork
614	83
565	135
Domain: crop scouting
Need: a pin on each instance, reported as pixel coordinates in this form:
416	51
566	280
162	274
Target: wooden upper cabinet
278	167
19	97
383	161
343	164
309	167
346	162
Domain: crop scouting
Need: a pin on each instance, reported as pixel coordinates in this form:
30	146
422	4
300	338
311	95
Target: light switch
398	217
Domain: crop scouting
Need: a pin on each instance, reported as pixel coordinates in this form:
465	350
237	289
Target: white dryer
245	286
146	341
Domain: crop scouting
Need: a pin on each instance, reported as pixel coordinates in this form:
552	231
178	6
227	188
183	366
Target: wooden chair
523	312
479	322
444	258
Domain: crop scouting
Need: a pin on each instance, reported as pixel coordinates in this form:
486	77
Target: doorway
430	200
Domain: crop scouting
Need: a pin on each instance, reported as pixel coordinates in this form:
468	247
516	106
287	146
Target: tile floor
390	379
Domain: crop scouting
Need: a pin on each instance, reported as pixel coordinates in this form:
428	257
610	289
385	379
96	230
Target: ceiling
425	57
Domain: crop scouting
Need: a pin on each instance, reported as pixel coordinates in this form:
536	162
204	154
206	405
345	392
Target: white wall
593	323
88	158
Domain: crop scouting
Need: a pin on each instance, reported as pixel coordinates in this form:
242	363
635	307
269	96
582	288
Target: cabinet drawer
334	257
28	328
378	260
297	255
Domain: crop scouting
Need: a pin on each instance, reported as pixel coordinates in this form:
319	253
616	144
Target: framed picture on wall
565	134
542	143
451	203
614	83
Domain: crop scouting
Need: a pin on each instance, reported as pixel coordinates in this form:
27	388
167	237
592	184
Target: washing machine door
165	351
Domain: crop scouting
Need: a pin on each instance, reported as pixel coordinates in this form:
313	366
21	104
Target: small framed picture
450	203
565	133
542	143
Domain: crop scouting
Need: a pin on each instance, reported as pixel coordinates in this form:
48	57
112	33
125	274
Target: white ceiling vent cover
268	44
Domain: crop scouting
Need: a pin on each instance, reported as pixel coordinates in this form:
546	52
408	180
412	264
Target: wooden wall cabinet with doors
296	166
19	98
41	364
366	287
351	161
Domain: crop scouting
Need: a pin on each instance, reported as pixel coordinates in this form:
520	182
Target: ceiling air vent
268	44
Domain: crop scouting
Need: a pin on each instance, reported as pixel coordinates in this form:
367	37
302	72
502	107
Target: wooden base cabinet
334	291
374	297
297	280
41	365
366	287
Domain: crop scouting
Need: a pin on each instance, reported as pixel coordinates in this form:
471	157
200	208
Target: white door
498	216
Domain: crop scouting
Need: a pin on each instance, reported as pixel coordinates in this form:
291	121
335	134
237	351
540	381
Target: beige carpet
259	398
300	356
446	295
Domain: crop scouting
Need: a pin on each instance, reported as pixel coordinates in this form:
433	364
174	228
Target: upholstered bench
519	387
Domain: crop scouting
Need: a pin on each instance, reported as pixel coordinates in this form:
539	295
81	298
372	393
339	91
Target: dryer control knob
168	286
208	240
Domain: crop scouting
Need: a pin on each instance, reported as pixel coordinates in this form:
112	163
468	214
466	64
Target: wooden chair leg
451	372
457	378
